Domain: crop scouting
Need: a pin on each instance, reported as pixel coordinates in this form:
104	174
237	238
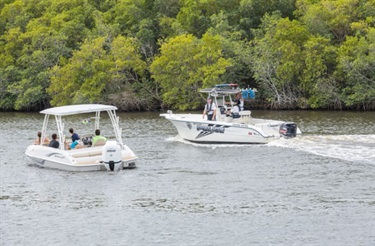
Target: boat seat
87	153
100	142
245	116
245	113
228	119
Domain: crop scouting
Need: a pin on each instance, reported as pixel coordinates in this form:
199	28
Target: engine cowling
112	157
288	130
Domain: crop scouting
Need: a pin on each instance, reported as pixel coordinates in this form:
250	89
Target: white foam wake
347	147
178	138
359	148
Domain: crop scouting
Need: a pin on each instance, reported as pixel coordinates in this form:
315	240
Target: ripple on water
313	190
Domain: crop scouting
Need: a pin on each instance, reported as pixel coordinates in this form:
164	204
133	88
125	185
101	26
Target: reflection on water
316	189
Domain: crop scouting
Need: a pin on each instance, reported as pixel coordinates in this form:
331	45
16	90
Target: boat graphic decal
58	155
208	130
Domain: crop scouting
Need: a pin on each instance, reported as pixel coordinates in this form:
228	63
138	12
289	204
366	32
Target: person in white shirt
210	109
235	111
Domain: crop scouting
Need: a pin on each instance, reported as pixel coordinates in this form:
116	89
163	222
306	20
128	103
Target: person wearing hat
209	109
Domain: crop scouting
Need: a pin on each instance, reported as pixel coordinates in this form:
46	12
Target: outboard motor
288	130
112	156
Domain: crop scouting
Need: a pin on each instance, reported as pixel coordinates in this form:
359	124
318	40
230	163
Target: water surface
314	190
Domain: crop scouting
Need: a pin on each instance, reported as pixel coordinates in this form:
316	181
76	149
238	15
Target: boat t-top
111	154
243	129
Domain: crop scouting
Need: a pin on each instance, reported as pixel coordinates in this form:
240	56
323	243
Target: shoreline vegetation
146	55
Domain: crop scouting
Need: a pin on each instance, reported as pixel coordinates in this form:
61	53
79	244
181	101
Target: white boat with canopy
243	129
112	154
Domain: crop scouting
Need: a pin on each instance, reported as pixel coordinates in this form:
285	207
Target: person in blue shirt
74	135
75	138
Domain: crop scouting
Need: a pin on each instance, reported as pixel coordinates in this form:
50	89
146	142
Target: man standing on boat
210	109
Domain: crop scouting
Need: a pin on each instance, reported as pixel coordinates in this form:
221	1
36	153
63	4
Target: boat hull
194	128
85	159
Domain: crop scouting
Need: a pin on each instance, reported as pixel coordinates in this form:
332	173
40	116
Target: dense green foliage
147	54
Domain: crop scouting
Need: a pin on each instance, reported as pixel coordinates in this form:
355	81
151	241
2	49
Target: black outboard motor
288	130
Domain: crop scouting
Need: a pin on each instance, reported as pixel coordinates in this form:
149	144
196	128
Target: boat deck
86	152
93	155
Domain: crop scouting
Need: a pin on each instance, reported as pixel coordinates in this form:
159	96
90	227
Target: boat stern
289	130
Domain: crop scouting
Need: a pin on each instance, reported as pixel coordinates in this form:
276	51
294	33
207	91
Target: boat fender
251	94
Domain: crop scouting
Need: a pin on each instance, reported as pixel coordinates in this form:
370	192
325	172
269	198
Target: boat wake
178	138
358	148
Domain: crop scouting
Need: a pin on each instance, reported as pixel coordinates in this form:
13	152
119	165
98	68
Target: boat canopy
216	91
58	112
77	109
229	89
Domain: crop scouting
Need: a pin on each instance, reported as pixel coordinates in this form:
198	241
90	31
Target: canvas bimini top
59	112
77	109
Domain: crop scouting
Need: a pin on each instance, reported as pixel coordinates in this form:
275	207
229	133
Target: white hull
245	130
85	159
105	155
